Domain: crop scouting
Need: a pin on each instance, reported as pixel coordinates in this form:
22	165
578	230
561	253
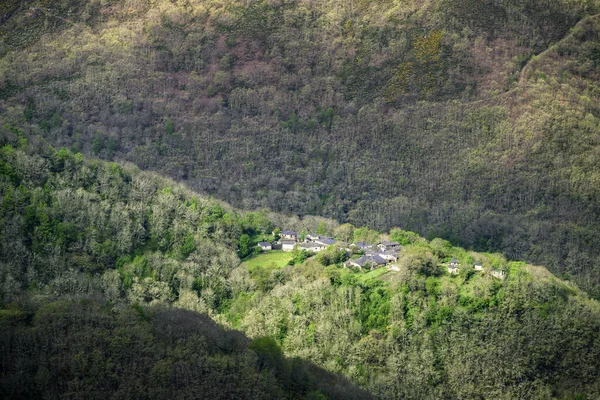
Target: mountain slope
95	250
98	263
377	113
94	350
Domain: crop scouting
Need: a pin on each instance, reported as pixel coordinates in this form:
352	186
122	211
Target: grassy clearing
266	259
377	273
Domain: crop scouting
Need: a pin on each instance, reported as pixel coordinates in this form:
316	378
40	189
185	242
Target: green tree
322	229
244	246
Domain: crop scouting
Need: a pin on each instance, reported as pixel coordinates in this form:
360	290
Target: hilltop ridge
475	121
120	251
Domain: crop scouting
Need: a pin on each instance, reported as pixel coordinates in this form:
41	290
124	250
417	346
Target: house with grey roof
288	245
265	246
362	245
478	266
311	237
288	235
326	241
372	252
312	246
366	261
386	246
389	255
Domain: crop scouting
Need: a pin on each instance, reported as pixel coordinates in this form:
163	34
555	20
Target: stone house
265	246
367	261
288	235
387	246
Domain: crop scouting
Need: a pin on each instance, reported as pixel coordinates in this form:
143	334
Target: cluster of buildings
373	256
289	240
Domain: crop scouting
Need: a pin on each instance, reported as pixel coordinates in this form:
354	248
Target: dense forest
102	268
93	350
120	283
472	120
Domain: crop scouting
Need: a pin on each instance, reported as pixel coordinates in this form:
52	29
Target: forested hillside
471	120
104	268
98	265
92	350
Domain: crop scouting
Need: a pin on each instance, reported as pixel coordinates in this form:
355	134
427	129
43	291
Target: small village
367	256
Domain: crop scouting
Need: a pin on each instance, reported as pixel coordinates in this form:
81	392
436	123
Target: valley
293	199
140	262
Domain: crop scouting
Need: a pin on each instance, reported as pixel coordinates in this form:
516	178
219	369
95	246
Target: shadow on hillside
87	349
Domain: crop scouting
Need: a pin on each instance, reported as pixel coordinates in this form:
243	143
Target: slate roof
391	244
288	242
363	245
326	241
375	259
264	244
311	245
287	233
377	252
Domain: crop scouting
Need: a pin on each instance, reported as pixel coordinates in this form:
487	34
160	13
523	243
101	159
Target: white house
478	266
288	245
265	246
453	266
312	246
